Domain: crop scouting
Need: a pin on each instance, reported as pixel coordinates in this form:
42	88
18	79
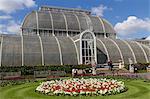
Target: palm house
60	36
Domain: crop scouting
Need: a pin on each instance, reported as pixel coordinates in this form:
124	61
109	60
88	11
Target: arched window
87	47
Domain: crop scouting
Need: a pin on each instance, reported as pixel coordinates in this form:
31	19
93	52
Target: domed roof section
63	20
30	20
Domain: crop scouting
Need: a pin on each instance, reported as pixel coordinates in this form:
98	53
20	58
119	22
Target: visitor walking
110	64
74	72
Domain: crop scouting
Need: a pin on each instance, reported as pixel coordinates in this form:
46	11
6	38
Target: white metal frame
144	46
37	22
52	22
65	22
42	53
60	52
22	51
94	40
23	22
133	54
146	58
78	22
104	48
76	40
1	51
102	26
89	22
77	52
122	59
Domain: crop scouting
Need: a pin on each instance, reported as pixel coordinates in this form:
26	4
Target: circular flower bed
76	86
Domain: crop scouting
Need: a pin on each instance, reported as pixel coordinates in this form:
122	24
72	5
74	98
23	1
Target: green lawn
137	89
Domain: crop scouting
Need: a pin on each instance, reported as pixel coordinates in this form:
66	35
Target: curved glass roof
59	21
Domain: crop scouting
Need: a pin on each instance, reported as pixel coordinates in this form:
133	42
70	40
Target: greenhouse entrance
88	48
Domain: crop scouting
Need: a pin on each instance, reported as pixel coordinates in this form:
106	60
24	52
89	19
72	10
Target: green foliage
15	82
29	70
126	66
139	66
137	89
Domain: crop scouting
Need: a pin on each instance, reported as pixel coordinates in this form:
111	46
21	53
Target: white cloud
11	28
132	25
1	26
99	11
4	17
9	6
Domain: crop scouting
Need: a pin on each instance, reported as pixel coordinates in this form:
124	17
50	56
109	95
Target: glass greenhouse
59	36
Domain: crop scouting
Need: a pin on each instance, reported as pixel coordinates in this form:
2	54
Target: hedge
29	70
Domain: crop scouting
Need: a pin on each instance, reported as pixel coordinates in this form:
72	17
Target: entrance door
88	48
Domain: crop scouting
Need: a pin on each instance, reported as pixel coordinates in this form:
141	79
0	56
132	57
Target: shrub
29	70
139	66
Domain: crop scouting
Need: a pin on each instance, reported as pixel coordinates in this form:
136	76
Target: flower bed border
96	93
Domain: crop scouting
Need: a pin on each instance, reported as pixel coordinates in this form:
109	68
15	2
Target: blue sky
130	18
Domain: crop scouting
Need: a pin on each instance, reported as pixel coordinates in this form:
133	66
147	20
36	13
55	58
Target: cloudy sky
130	18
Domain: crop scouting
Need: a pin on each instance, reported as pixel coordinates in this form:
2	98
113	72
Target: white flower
57	91
82	92
104	91
46	91
67	93
109	86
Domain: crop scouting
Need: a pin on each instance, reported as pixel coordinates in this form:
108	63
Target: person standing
73	72
110	64
93	63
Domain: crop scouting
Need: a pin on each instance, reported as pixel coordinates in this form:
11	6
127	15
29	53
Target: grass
137	89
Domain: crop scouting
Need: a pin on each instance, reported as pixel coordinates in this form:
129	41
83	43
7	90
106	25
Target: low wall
49	73
9	75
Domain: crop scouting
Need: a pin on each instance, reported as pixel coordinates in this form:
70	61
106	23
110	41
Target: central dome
64	21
